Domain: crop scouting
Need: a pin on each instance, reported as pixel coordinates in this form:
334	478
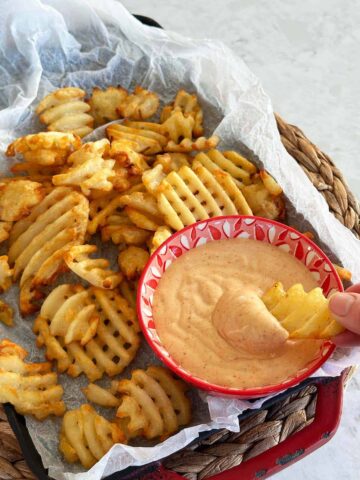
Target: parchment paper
49	44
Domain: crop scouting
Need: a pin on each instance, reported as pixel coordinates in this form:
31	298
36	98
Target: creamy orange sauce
209	315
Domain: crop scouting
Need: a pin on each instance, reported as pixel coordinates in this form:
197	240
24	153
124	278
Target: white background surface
306	53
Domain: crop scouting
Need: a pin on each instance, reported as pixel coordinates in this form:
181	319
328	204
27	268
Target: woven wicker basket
263	429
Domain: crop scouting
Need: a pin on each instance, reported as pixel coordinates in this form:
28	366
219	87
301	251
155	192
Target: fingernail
340	304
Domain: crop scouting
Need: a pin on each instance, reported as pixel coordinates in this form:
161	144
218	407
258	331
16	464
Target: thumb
345	307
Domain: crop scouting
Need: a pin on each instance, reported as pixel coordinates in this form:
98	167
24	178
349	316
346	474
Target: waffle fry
152	178
142	210
5	274
31	387
94	271
86	436
104	104
125	154
45	148
132	261
143	141
178	127
142	104
261	201
65	110
173	161
6	314
18	197
38	241
153	403
154	127
90	170
189	195
126	232
188	145
113	345
189	105
303	315
96	394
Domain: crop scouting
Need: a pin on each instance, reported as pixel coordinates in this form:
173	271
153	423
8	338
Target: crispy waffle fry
189	105
154	127
38	241
230	162
31	387
18	197
152	178
142	210
132	261
188	145
142	104
113	345
270	184
90	170
86	436
178	126
6	314
262	202
125	154
104	104
94	271
5	274
65	110
154	403
45	148
189	195
96	394
143	141
303	315
124	232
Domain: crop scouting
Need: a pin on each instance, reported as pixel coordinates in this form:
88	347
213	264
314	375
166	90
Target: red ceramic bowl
221	228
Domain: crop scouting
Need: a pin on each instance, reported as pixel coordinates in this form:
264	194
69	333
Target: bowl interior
221	228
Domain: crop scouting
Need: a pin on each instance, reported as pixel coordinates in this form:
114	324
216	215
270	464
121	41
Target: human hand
346	309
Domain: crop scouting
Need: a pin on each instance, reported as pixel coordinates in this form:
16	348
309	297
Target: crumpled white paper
54	43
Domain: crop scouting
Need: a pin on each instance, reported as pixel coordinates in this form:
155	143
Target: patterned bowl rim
327	348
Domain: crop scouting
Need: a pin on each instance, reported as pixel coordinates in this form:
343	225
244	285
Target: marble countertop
306	54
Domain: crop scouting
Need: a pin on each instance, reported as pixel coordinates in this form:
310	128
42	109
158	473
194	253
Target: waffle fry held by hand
303	315
65	110
86	436
31	387
90	170
111	332
94	271
38	241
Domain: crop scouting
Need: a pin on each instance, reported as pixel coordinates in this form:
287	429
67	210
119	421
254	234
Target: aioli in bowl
209	316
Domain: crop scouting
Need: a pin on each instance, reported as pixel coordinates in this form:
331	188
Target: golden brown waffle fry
96	394
142	210
128	291
5	274
161	234
31	387
65	110
18	197
303	315
125	154
152	178
188	145
125	232
230	162
86	436
132	261
5	228
189	105
45	148
111	347
154	403
142	104
104	104
94	271
189	195
143	141
173	161
38	241
6	314
261	201
90	170
178	126
154	127
270	184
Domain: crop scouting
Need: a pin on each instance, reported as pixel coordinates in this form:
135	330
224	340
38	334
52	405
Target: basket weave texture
266	428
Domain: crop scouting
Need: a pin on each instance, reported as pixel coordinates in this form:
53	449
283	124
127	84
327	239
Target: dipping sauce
209	315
